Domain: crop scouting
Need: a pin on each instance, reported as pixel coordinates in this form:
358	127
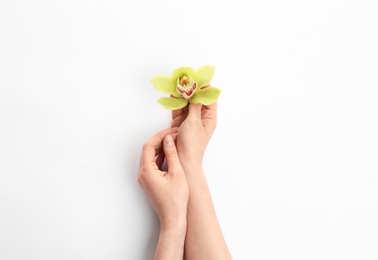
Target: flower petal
204	75
172	103
206	96
165	84
188	71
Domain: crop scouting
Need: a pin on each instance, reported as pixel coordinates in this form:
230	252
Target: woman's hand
167	191
196	126
204	238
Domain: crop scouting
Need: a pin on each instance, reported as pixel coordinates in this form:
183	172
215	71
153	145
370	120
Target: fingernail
168	140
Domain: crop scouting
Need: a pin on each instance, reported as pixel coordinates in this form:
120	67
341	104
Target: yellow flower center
184	81
186	86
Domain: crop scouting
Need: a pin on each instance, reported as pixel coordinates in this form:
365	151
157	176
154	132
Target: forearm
204	238
171	242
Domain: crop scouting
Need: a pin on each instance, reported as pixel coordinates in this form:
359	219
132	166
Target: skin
204	238
167	192
180	196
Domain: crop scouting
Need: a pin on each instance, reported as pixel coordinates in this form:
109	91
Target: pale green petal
206	96
172	103
178	73
165	84
204	75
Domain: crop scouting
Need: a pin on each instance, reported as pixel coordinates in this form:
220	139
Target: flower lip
186	86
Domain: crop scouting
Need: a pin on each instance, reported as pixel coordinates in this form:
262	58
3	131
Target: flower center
186	86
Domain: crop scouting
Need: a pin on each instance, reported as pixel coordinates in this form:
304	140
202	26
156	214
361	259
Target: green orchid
186	85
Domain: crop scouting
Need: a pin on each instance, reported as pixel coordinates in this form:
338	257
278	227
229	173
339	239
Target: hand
196	126
204	238
167	191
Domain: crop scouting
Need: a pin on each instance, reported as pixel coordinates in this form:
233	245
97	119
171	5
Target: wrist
173	229
192	167
190	163
171	241
173	224
191	159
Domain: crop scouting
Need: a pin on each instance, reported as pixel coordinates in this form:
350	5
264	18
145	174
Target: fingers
171	155
210	112
212	107
195	111
160	160
179	112
177	121
209	117
153	147
206	114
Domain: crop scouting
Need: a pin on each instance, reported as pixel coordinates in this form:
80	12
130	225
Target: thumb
171	155
195	111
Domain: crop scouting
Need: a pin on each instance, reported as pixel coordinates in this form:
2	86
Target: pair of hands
188	226
183	145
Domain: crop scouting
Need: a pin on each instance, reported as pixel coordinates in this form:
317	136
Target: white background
292	167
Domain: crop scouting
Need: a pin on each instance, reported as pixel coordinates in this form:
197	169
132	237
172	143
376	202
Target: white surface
293	165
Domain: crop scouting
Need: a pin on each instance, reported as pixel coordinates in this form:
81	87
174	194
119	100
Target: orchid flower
186	85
